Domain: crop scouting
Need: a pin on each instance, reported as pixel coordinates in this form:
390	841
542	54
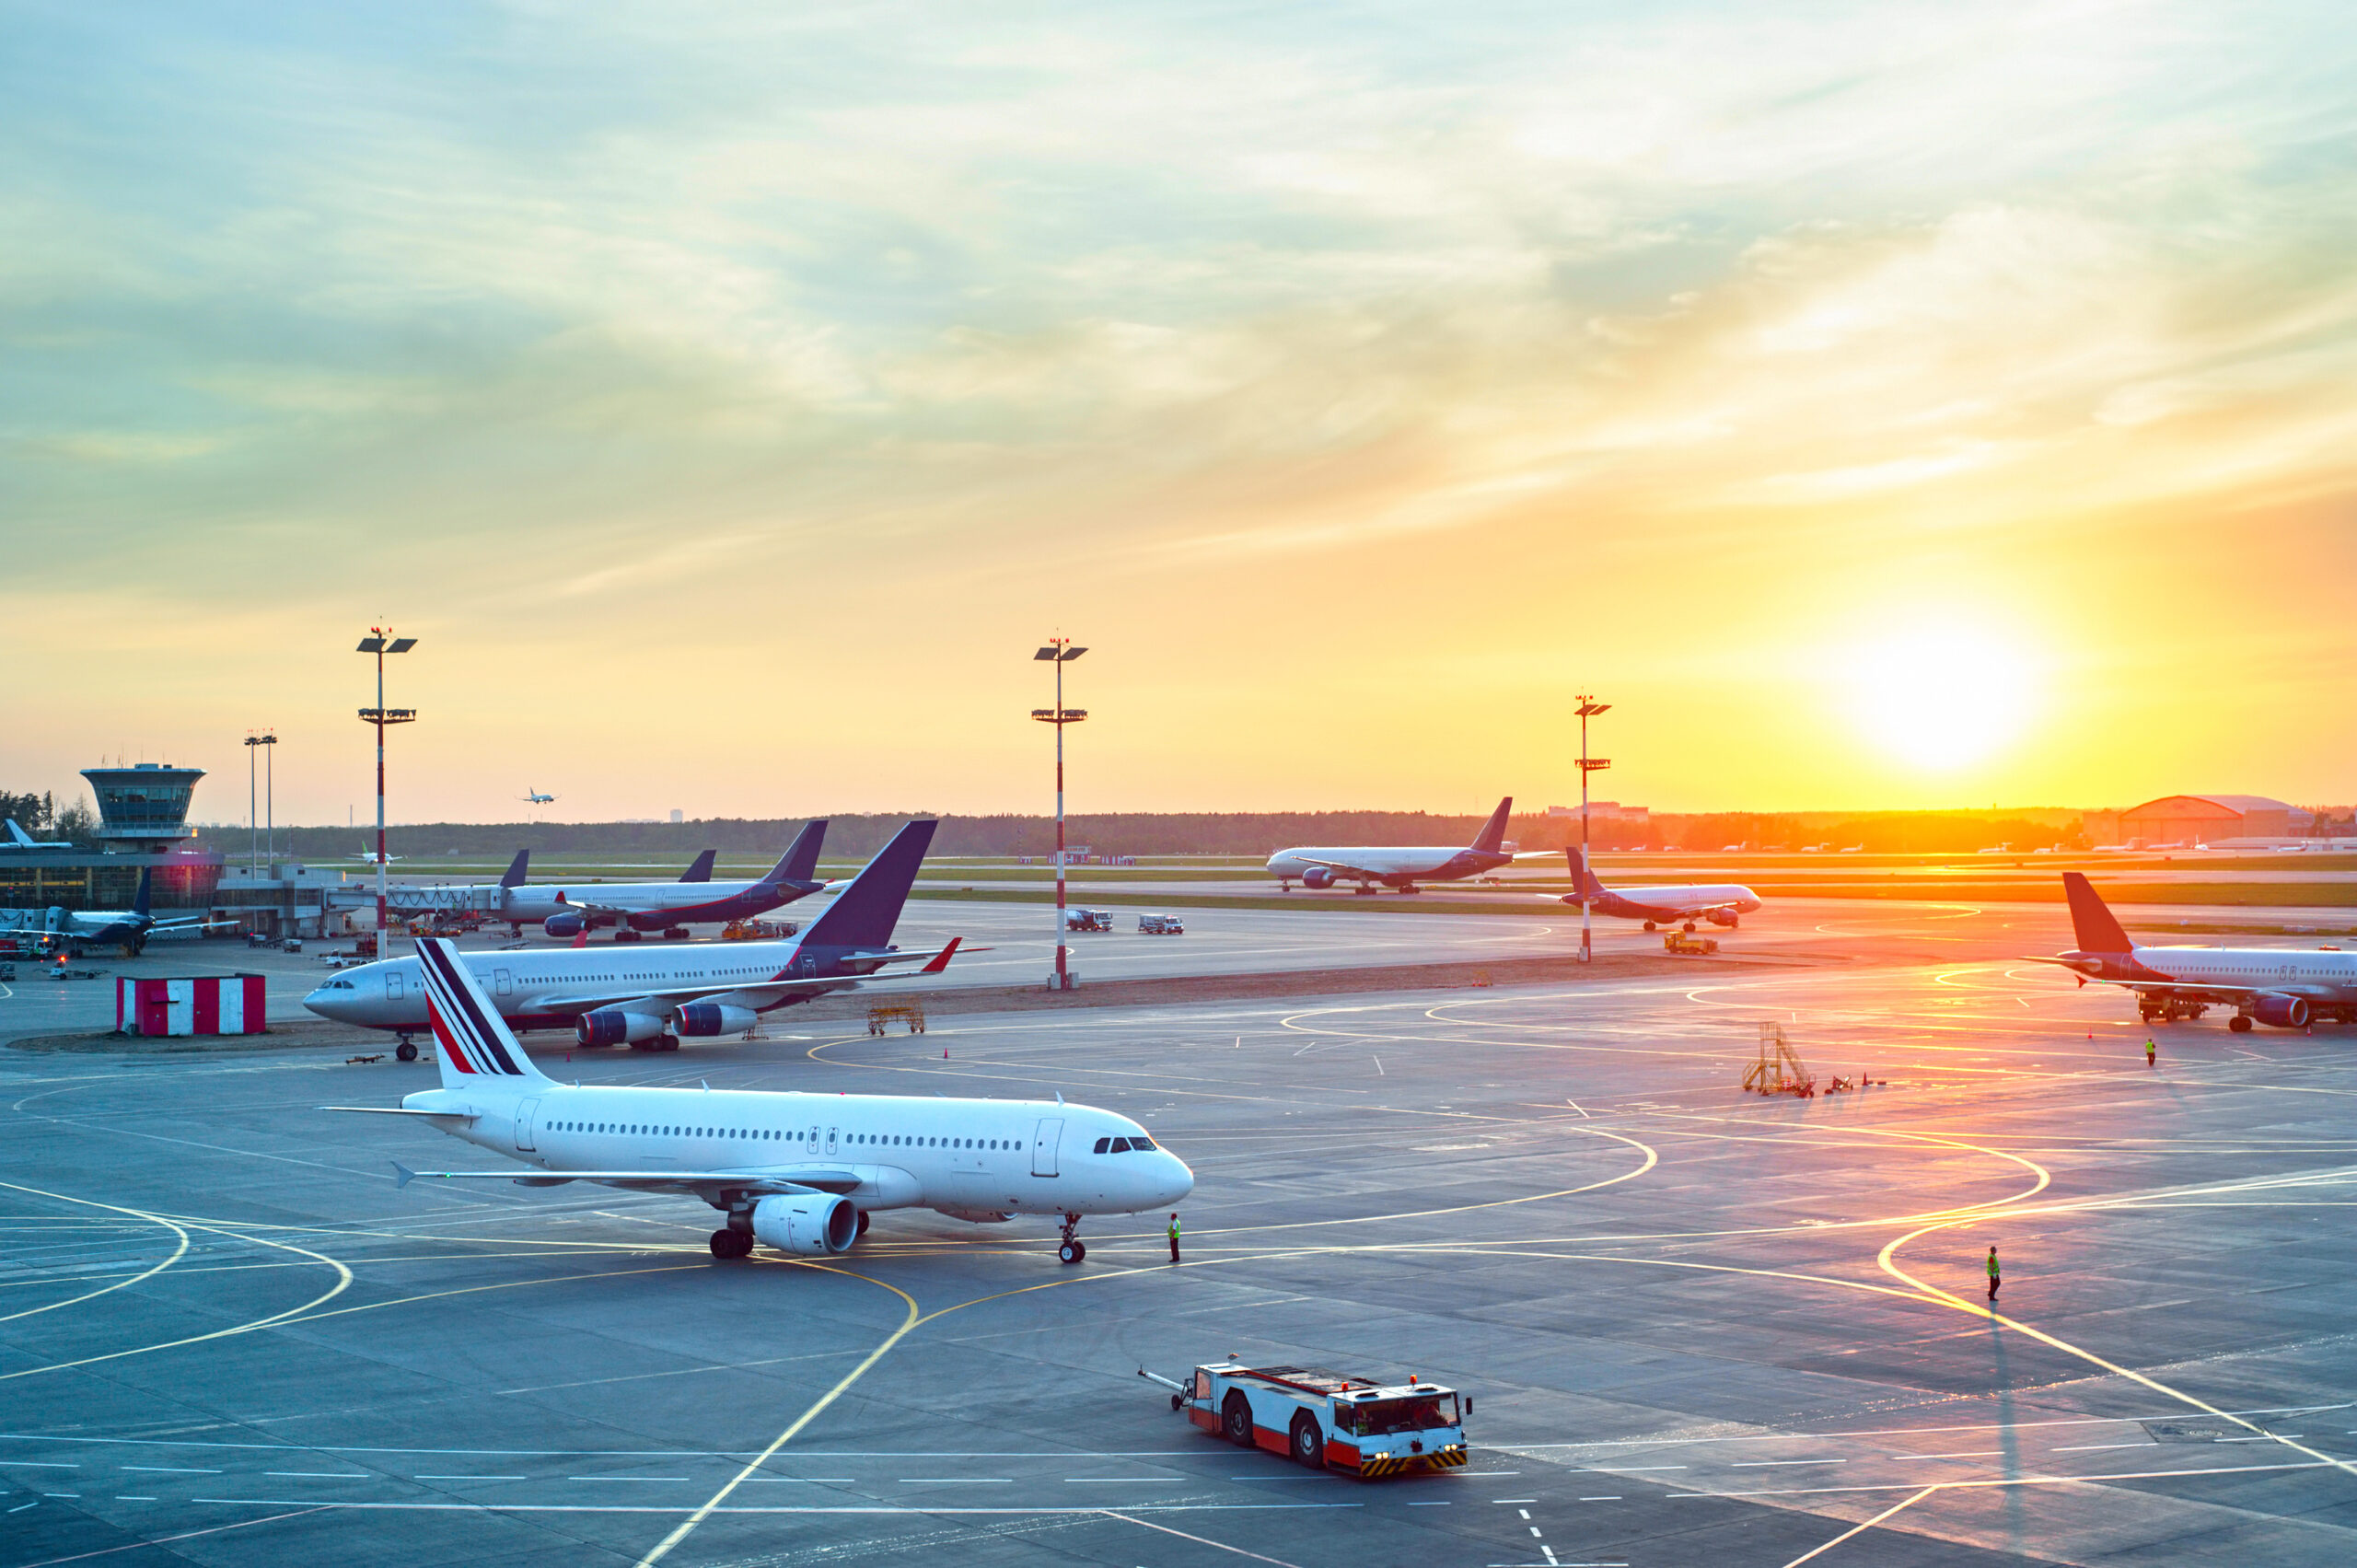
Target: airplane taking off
798	1172
1721	903
70	931
647	1000
635	907
19	839
1401	868
2285	988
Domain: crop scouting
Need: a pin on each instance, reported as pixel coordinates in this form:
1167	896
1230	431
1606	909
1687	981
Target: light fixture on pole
1589	708
380	641
253	821
269	812
1059	652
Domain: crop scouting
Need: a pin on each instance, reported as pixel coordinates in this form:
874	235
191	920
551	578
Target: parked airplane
18	840
69	931
797	1171
1402	868
1721	903
635	907
2285	988
510	897
647	1000
535	797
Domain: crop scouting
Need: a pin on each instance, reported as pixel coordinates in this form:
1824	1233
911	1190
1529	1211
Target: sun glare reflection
1941	698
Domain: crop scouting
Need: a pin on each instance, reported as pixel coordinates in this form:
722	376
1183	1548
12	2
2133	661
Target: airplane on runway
69	931
799	1172
368	857
1371	867
648	999
1721	903
20	840
2285	988
635	907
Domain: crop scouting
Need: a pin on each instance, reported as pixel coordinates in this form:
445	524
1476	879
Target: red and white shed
199	1005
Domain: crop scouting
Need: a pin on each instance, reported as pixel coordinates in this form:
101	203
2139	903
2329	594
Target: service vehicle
1358	1426
1088	920
1161	925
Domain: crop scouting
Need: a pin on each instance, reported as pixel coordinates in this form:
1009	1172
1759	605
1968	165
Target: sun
1941	698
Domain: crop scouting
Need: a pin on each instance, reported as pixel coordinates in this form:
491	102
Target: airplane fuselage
649	906
1315	866
964	1156
1664	905
2323	980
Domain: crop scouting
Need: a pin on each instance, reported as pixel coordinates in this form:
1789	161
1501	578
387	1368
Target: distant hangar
2210	819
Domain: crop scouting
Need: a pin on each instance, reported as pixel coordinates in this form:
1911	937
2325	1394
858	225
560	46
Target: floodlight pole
253	830
1059	652
1589	708
269	790
380	641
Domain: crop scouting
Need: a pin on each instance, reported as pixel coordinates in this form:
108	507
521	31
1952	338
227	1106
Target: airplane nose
1177	1178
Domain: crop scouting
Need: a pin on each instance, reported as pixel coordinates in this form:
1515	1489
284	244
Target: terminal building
143	826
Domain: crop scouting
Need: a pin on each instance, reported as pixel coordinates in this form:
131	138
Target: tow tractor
1324	1419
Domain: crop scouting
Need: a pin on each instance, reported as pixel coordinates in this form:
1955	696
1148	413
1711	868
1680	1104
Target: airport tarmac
1698	1326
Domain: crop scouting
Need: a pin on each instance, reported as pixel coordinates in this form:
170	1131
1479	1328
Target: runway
1698	1326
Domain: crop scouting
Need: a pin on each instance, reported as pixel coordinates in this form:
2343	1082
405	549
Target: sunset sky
1885	405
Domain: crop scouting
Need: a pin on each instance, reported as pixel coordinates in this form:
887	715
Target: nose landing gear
1074	1250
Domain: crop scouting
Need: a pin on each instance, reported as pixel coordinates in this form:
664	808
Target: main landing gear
627	934
1074	1250
2239	1023
732	1244
406	1050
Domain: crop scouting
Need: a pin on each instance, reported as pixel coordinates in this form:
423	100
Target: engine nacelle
1720	917
1317	876
612	1026
2280	1012
565	924
811	1226
715	1018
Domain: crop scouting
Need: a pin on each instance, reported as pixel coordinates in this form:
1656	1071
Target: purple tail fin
1583	880
1493	832
2091	919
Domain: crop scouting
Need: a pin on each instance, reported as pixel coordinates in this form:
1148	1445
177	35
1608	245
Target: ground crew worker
2152	1052
1993	1280
1174	1238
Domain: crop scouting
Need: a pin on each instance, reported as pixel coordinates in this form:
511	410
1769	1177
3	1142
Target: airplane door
501	983
1043	1147
392	987
524	1116
810	1143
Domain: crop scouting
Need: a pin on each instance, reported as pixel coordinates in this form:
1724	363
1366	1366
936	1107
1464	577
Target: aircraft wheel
1235	1419
2239	1024
1072	1252
1308	1442
865	1219
1689	928
667	1042
406	1051
721	1240
1649	926
1177	1401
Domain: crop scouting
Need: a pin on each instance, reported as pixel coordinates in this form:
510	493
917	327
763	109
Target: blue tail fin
1493	832
513	875
17	836
801	862
702	870
139	900
862	915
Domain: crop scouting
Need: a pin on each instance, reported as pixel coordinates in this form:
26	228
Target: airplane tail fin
801	862
1493	832
702	870
17	836
1584	880
2092	922
862	915
513	875
139	901
476	1041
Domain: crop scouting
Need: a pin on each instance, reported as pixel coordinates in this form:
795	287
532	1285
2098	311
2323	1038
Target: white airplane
1721	903
1371	867
60	930
368	856
2285	988
636	907
798	1172
535	797
647	998
19	840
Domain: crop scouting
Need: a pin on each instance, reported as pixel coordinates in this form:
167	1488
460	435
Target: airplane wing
759	994
696	1183
1341	865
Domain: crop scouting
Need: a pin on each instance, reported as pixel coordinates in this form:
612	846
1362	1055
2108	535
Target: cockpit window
1121	1145
1101	1145
1139	1141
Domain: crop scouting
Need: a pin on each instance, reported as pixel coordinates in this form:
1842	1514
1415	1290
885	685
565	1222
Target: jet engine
2280	1012
812	1225
565	925
1720	917
715	1018
612	1025
1317	876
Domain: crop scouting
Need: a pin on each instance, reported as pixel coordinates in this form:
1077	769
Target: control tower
142	809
